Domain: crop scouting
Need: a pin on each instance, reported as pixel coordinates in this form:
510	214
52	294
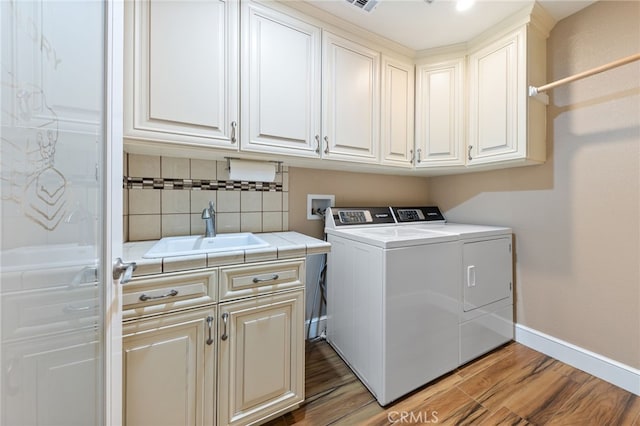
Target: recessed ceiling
419	25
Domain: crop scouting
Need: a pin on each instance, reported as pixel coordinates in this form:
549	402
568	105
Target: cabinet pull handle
172	293
419	155
257	280
469	154
210	325
326	149
233	131
225	318
317	144
413	156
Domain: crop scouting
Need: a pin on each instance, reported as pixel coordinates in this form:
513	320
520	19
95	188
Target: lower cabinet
236	362
169	369
261	357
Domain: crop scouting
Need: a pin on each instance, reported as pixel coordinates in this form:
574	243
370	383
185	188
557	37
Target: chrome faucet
209	217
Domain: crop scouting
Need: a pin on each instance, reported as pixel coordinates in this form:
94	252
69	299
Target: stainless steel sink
195	244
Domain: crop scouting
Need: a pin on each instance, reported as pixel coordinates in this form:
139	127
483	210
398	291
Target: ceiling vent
366	5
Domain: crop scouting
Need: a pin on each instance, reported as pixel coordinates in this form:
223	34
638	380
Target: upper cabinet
440	113
350	100
397	112
505	125
181	72
274	79
280	83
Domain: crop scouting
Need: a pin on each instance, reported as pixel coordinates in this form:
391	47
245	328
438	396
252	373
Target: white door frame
112	239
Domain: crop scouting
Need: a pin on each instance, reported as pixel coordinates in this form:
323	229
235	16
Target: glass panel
52	139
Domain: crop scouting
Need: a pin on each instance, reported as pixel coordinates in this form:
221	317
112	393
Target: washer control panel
347	216
352	217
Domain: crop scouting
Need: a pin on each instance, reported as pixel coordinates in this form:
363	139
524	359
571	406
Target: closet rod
533	91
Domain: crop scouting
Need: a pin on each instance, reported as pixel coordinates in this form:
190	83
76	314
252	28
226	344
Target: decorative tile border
200	184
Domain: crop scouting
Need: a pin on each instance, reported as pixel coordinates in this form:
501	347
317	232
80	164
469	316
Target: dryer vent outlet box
317	204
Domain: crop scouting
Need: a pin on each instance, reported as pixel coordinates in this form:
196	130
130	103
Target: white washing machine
397	311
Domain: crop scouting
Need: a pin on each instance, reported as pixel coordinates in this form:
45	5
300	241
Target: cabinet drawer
259	278
168	292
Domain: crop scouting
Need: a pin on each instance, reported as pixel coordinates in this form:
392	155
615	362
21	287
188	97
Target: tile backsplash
165	196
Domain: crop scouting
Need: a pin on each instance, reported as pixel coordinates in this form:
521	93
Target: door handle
123	271
471	276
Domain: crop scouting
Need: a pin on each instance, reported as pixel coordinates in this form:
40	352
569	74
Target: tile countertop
283	245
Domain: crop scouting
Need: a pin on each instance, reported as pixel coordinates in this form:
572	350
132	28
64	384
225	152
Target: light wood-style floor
513	385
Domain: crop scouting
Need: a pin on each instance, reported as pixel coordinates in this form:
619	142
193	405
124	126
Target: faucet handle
211	206
206	214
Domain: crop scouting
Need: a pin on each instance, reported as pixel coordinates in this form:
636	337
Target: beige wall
576	218
350	189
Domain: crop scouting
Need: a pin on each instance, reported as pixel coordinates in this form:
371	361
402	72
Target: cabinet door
261	359
440	114
168	369
181	71
350	100
396	138
281	83
487	272
497	96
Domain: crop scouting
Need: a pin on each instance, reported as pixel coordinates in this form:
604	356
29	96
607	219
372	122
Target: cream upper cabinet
169	369
280	83
504	123
440	114
350	100
261	359
181	72
397	112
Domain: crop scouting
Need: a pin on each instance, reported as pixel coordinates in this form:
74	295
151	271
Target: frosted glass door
53	212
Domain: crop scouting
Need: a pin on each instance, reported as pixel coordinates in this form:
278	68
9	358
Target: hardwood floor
513	385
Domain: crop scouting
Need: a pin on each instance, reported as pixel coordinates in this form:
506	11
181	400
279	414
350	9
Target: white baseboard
318	327
621	375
